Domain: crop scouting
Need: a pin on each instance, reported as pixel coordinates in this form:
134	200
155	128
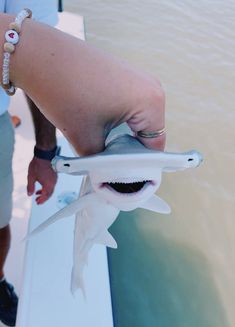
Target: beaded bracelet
12	38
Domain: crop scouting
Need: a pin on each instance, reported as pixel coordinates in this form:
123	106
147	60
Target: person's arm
81	90
40	170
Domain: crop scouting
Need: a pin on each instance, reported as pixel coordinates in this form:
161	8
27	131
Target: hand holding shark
123	177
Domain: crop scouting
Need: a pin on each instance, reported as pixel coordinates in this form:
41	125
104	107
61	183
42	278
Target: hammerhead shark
123	177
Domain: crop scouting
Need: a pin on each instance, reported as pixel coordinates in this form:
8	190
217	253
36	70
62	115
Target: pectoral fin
106	239
67	211
156	204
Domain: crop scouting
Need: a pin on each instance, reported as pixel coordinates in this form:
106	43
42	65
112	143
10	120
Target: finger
44	194
41	199
150	119
30	185
157	143
156	127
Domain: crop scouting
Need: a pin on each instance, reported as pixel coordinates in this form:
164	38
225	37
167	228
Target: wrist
12	38
5	20
46	154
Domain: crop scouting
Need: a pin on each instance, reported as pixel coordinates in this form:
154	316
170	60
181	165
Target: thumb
31	185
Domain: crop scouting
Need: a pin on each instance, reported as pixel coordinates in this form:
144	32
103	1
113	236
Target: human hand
141	106
41	171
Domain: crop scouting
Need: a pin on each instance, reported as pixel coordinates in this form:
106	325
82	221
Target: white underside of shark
122	178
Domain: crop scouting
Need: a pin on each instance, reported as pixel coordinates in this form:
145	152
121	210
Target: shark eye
127	187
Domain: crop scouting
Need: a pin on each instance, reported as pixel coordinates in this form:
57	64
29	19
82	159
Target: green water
159	282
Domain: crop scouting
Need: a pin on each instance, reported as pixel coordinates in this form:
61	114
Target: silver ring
158	133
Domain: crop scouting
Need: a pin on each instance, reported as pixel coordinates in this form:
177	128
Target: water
178	270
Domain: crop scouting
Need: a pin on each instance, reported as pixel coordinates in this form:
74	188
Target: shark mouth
127	193
127	188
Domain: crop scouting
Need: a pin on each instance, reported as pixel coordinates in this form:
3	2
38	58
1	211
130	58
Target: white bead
21	16
18	21
12	36
6	55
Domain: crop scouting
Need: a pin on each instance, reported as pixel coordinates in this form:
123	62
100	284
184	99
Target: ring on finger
152	134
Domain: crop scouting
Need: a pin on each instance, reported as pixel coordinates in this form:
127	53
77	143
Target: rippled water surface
178	270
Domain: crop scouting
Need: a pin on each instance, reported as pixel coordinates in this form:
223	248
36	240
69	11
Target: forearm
45	132
49	66
81	90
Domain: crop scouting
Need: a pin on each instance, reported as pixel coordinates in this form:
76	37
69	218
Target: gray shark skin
123	177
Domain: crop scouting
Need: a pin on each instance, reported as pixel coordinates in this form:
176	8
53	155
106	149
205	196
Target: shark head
127	174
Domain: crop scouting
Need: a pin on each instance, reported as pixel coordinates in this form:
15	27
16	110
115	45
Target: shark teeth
126	187
128	181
